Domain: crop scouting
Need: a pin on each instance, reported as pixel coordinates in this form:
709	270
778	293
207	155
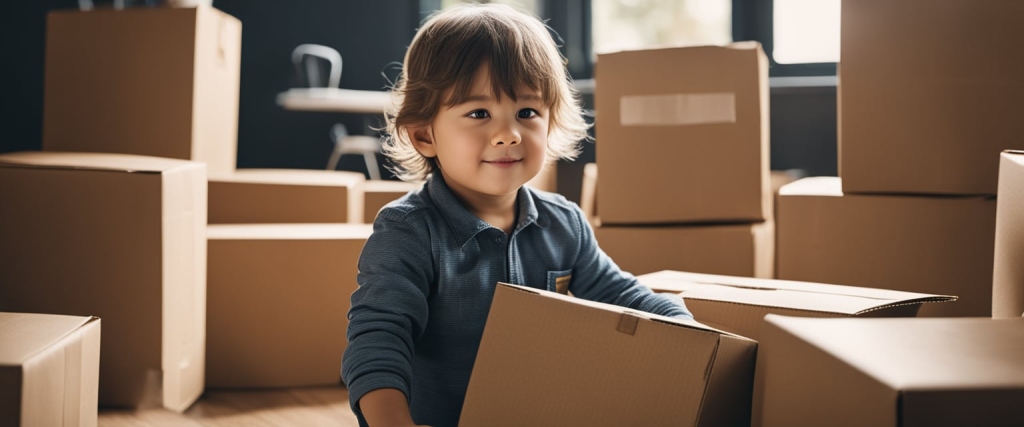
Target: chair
344	143
304	57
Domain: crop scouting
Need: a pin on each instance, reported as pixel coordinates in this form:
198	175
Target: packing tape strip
677	109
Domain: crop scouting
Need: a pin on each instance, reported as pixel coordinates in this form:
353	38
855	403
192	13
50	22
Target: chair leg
371	165
332	163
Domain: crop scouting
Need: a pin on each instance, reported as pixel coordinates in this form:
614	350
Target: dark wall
803	130
369	36
22	26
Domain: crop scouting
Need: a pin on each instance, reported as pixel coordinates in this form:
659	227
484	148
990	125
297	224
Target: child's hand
386	407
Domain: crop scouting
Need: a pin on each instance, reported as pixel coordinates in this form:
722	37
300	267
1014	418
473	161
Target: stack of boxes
111	220
682	148
920	135
928	98
121	237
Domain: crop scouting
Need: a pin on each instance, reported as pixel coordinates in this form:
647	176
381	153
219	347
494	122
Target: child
484	103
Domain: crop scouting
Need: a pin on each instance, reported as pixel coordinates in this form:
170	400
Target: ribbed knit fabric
426	279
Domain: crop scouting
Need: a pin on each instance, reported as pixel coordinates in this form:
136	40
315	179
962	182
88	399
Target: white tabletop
334	99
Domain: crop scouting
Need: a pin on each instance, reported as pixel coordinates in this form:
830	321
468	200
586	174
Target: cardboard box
152	81
890	372
929	94
278	303
940	245
739	304
1008	275
49	370
588	194
120	237
735	250
276	196
694	120
552	360
379	193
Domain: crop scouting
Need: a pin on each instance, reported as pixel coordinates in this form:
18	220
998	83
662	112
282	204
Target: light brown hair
446	53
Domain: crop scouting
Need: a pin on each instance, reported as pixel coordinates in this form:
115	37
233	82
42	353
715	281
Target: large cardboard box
890	372
281	196
552	360
120	237
378	193
152	81
735	249
682	135
739	304
940	245
1008	274
278	303
49	370
929	94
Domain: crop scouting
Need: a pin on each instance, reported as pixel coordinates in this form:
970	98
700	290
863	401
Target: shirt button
499	239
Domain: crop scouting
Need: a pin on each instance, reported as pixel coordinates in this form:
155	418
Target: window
806	31
531	6
638	24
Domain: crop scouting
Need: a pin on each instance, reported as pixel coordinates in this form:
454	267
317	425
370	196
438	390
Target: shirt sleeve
389	309
597	278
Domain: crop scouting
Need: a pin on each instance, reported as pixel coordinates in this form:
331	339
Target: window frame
754	20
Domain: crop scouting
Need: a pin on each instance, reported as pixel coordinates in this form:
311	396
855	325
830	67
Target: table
334	100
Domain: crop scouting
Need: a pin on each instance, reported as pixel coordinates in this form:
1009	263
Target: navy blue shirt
427	276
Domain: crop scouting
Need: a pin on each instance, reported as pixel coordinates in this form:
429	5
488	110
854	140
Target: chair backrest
305	55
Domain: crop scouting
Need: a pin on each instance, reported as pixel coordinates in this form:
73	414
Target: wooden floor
312	407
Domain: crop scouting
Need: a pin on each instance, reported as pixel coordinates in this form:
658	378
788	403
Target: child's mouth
503	162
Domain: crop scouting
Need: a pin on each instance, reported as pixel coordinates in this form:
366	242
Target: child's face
489	147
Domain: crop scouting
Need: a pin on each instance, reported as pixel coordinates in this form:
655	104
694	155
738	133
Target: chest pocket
558	281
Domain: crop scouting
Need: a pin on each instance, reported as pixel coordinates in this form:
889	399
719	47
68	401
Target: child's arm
388	314
597	278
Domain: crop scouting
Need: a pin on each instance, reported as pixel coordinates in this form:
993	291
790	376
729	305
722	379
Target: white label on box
678	109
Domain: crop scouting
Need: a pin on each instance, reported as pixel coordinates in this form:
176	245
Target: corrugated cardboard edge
1007	271
763	236
92	162
895	303
183	322
356	203
729	389
682	323
215	137
81	388
916	301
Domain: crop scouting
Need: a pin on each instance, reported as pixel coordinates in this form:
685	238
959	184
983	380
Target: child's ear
422	138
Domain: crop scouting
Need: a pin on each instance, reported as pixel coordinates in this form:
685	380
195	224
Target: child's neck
497	210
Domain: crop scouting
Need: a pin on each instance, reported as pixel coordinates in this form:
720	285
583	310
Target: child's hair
446	53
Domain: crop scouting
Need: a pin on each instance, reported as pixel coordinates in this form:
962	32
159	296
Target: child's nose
505	137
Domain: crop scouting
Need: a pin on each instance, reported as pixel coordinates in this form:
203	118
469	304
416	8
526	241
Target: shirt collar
464	225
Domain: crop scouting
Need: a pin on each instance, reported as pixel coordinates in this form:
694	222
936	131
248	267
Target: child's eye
478	114
527	113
